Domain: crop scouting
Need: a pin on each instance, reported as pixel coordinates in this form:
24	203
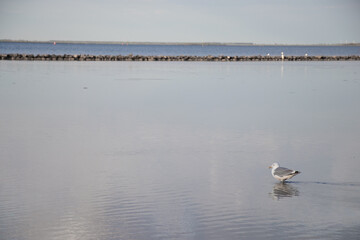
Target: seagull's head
274	165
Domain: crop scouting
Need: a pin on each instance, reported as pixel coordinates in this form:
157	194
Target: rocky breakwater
66	57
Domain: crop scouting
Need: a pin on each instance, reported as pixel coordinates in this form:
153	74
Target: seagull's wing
282	172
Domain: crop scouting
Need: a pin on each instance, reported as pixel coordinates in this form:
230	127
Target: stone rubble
81	57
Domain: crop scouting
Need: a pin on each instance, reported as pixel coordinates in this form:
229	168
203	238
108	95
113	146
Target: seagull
281	173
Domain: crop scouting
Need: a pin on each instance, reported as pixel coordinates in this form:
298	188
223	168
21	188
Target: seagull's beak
270	166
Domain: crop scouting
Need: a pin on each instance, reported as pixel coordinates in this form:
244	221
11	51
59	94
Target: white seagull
281	173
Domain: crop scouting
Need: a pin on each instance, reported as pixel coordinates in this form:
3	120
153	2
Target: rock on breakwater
81	57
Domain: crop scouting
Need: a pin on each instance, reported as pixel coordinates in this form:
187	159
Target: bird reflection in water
284	190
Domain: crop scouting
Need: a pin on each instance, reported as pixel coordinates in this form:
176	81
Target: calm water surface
175	50
158	150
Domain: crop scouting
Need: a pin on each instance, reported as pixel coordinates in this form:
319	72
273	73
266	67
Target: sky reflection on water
178	150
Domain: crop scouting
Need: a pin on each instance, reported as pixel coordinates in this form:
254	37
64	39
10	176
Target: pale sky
257	21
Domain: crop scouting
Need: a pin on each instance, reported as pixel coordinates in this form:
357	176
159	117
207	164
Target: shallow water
176	50
158	150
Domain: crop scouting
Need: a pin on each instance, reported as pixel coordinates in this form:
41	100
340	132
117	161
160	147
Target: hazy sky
258	21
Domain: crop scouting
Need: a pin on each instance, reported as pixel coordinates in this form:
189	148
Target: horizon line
179	43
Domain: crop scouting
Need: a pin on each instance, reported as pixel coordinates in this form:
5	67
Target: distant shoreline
174	43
